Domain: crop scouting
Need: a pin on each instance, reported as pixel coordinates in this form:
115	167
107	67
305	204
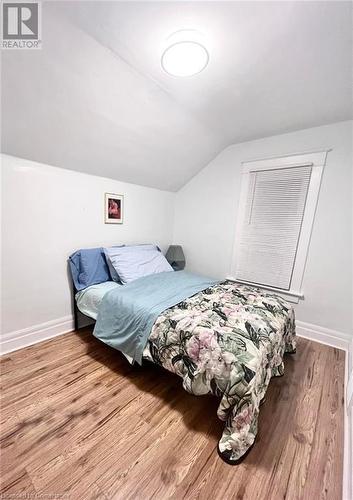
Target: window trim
315	159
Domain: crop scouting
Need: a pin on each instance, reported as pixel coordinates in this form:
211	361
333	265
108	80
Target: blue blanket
127	314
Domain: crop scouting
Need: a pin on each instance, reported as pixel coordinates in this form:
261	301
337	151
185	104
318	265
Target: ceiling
95	99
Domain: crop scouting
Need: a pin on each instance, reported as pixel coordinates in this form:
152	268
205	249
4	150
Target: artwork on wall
113	208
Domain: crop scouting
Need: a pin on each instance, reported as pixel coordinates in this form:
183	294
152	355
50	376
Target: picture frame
113	208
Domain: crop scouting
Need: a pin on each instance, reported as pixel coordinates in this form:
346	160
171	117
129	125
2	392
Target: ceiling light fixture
185	55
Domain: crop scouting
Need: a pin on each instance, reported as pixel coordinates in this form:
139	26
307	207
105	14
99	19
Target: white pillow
110	253
131	263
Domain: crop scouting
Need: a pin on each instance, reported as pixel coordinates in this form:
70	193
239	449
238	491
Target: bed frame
80	319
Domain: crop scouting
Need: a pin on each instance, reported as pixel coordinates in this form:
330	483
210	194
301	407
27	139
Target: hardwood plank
178	431
43	429
326	461
77	419
18	483
78	466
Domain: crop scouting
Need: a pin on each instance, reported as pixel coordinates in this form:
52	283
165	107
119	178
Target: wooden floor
78	421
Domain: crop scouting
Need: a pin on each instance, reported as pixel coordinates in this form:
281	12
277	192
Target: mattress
89	299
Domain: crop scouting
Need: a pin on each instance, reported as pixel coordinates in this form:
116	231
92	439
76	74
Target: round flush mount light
186	57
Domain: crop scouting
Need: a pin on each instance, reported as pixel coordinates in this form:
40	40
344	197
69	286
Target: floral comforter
228	340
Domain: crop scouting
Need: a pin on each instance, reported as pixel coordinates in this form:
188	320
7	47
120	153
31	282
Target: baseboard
348	454
23	338
323	335
348	429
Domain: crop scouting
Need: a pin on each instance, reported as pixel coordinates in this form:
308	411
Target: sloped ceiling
95	99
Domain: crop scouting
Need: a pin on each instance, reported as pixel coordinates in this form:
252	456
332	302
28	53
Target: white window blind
270	229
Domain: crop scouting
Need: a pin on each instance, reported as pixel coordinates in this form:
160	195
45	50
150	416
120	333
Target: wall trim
326	336
18	339
348	452
348	429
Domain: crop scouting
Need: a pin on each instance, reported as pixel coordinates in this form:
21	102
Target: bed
220	337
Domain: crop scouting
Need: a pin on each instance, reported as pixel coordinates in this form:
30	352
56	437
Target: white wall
206	213
49	212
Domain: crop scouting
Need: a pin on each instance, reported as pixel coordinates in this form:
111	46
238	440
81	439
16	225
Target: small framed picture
113	208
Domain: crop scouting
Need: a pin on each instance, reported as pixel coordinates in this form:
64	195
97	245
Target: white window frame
315	159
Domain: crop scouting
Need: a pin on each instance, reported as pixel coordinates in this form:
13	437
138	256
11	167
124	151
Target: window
276	213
